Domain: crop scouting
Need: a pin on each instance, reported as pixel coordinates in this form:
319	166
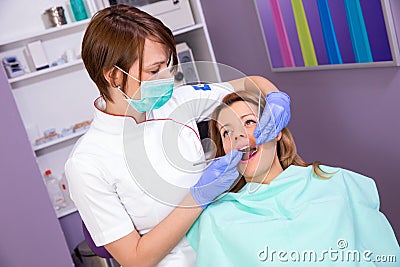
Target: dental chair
99	251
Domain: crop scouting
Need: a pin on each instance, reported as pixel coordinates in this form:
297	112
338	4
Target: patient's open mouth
248	152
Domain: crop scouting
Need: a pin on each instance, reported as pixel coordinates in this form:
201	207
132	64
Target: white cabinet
58	97
47	98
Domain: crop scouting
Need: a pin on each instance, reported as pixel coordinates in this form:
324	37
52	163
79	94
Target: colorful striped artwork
314	33
286	51
311	7
331	43
358	31
306	43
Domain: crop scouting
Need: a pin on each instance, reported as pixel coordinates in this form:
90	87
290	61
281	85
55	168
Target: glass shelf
79	61
58	140
45	32
44	71
75	25
187	29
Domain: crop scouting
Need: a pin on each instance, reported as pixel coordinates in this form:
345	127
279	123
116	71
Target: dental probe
243	149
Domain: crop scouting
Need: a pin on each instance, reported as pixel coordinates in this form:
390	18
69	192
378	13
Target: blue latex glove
269	126
217	178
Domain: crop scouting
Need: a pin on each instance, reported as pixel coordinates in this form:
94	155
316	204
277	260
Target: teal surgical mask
154	93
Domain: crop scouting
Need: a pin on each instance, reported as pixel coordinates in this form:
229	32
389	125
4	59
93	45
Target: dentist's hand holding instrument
217	178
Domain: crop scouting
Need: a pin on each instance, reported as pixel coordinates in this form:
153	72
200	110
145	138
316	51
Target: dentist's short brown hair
116	36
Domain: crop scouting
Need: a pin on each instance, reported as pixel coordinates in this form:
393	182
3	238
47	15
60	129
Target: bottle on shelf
65	190
78	9
54	190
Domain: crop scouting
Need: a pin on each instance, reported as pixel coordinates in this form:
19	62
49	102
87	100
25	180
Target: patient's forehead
235	111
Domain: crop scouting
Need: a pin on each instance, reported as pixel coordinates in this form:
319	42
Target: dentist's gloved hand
269	126
217	178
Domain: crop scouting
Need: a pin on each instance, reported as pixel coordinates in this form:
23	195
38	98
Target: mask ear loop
127	74
119	88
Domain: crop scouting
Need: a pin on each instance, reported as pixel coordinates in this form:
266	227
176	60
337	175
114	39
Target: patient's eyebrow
245	115
241	117
223	126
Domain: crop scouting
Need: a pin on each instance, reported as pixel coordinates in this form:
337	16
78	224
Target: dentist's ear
113	76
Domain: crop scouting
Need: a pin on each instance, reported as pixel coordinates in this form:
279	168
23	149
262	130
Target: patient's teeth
248	152
245	149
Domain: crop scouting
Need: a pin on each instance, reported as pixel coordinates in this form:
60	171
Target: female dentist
132	198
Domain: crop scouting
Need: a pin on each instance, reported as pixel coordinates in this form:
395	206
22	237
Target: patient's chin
254	172
247	172
250	169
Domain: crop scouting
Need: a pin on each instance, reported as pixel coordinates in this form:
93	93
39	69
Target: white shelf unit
44	97
47	32
44	71
58	97
58	140
34	74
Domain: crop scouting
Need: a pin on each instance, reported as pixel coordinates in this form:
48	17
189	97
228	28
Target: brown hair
116	36
286	148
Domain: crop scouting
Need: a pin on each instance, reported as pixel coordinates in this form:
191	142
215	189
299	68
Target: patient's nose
240	140
238	134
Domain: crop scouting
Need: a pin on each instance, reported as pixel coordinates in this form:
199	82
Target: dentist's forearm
254	83
149	249
167	234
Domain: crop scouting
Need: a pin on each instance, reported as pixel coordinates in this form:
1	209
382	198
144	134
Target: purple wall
346	118
30	234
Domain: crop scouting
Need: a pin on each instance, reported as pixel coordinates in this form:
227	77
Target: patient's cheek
227	147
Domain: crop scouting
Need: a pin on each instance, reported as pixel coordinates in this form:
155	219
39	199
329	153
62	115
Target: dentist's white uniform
124	176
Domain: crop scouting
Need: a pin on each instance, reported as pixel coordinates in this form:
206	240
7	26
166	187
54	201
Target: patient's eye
226	133
249	122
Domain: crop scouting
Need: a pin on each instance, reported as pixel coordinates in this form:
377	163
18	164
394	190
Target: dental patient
284	211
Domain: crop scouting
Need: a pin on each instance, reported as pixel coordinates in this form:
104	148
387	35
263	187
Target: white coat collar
107	122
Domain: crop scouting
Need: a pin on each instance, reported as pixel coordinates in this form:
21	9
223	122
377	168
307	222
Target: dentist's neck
122	108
